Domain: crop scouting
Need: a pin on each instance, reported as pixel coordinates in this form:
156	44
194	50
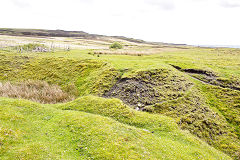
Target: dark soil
197	71
211	78
149	87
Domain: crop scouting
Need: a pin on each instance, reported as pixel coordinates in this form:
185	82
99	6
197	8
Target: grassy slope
225	63
32	131
78	77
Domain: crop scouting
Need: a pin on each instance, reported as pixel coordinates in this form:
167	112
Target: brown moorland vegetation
38	91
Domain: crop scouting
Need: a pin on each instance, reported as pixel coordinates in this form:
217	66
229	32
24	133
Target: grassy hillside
190	89
93	128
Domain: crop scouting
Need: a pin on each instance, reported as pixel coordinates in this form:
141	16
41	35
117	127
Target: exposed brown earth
211	78
149	87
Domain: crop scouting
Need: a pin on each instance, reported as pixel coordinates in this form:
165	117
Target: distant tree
116	45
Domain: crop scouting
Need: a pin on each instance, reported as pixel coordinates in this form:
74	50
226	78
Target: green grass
227	102
223	62
206	111
94	128
78	77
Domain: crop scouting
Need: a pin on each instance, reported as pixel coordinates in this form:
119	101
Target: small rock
146	130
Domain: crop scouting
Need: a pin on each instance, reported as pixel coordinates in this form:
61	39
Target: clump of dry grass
138	51
38	91
121	52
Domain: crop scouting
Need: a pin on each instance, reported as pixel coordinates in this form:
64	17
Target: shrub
116	45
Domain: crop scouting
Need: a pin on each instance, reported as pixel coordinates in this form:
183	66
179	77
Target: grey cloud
161	4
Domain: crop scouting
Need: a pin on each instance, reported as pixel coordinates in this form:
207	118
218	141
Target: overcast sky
211	22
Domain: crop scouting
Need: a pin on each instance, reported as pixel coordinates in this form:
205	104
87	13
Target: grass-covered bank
76	77
96	128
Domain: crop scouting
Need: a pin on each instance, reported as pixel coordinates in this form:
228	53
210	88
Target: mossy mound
32	131
170	93
194	114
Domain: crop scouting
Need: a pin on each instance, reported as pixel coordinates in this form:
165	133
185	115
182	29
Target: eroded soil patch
149	87
211	78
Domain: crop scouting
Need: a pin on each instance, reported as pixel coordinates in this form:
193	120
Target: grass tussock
38	91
